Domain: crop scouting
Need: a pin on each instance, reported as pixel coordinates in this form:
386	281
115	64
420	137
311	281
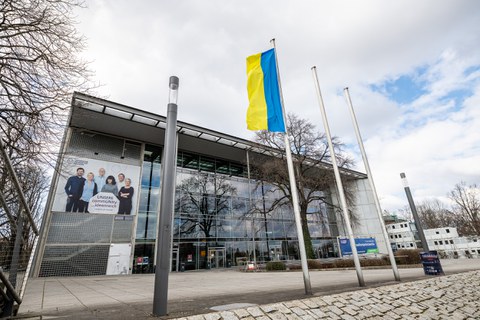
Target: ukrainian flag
265	109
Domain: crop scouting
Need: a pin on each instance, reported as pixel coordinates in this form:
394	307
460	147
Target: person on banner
110	186
74	189
101	178
121	181
89	190
125	195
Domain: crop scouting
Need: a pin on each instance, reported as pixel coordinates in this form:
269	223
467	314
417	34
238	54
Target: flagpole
293	188
341	193
372	185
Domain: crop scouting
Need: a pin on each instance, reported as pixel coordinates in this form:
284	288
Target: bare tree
314	176
435	214
466	207
39	70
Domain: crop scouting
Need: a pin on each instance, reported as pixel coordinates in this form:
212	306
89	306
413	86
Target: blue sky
412	68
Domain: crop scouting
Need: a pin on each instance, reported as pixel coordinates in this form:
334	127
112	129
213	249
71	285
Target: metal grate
74	260
101	147
78	243
80	228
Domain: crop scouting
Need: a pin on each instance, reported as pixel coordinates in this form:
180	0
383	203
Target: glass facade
221	217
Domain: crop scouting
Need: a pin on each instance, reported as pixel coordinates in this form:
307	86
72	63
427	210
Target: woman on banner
125	195
89	190
110	186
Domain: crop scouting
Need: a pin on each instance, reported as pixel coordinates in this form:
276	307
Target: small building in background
446	241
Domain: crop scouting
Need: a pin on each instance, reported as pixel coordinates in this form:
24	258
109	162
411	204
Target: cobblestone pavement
447	297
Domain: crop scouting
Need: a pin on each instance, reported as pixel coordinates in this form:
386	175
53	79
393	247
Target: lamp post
416	219
167	198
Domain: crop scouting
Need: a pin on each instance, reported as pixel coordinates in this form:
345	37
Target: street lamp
167	196
416	219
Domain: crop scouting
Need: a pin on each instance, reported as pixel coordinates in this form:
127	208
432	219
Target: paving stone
335	310
277	316
392	315
350	311
228	315
269	308
298	311
318	313
310	303
255	311
293	316
212	316
296	303
332	316
319	301
242	313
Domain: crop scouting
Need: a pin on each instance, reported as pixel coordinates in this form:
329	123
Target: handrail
9	287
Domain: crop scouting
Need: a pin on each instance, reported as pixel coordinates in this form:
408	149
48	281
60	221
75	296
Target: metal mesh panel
74	260
78	243
97	146
80	228
122	229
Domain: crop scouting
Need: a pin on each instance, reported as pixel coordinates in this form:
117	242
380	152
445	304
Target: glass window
207	164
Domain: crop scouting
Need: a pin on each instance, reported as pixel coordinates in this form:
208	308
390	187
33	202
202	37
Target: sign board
431	263
363	245
119	258
104	202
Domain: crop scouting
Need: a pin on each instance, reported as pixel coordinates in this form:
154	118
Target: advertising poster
364	245
96	186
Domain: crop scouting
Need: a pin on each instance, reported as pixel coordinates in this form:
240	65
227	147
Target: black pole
416	219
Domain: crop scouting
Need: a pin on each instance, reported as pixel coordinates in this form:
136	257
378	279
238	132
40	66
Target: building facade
220	219
446	241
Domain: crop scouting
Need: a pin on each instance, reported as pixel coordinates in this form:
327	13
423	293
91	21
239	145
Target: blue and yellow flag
265	109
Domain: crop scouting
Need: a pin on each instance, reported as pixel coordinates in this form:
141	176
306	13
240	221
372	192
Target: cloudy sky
412	68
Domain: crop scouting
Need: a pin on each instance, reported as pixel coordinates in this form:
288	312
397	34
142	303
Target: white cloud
352	43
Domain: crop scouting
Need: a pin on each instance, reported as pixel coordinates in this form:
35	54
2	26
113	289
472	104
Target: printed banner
95	186
363	245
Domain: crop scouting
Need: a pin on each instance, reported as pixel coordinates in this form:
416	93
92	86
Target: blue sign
431	263
364	245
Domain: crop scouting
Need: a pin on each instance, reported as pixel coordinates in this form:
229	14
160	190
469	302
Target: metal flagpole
372	185
253	214
341	193
293	188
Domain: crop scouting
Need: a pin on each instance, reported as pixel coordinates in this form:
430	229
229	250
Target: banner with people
96	186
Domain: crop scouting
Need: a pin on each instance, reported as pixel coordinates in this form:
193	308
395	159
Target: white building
402	235
446	240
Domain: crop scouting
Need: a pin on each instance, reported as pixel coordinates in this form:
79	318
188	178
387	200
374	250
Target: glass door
216	257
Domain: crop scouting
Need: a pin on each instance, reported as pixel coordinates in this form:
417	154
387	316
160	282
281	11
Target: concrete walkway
196	292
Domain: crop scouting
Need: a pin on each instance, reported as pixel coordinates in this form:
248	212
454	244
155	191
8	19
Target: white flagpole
293	188
372	185
341	193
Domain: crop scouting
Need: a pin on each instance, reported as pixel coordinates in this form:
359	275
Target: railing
8	292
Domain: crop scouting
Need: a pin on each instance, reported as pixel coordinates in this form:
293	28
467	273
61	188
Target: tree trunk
306	235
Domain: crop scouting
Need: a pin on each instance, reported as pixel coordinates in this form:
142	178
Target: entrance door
216	257
175	261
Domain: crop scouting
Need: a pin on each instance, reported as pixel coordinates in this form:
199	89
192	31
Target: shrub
318	264
275	266
408	256
373	262
344	263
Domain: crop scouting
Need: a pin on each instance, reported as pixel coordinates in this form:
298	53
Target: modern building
214	224
446	241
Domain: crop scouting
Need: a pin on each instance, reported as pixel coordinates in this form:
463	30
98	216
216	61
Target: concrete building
112	229
403	235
